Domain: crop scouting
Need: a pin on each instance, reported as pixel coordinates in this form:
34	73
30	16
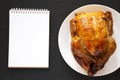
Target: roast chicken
92	43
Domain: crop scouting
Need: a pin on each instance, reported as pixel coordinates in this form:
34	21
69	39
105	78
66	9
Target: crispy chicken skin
91	39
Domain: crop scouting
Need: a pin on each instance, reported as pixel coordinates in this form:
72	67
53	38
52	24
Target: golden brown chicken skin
92	43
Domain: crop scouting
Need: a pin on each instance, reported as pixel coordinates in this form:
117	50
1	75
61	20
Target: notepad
28	38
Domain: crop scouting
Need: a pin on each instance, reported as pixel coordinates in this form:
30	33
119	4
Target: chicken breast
92	43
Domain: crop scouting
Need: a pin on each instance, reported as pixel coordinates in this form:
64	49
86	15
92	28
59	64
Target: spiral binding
28	10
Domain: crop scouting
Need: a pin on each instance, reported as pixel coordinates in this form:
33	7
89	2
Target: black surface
58	69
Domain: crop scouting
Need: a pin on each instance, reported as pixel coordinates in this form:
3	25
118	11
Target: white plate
64	40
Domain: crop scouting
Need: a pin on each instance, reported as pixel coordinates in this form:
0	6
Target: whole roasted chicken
91	39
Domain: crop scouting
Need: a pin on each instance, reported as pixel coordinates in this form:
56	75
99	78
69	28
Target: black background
58	69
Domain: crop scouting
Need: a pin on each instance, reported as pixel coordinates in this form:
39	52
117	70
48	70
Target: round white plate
64	40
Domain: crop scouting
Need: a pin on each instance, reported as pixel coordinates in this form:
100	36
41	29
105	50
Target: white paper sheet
28	38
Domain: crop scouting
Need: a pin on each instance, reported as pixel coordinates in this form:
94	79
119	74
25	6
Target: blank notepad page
28	38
